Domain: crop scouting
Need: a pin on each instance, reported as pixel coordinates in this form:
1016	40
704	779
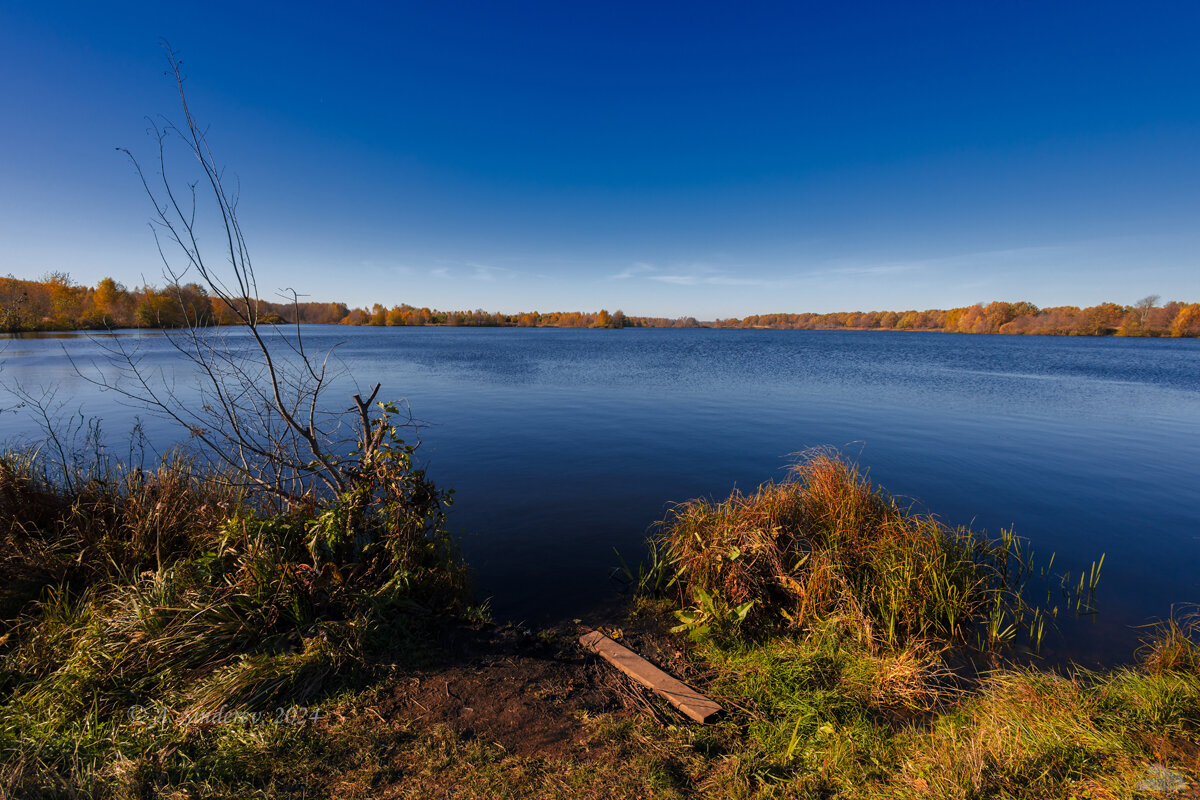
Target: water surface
565	444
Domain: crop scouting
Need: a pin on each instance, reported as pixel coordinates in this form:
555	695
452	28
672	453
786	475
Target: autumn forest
56	303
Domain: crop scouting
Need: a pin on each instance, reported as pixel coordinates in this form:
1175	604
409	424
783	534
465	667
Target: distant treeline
1144	318
410	315
55	303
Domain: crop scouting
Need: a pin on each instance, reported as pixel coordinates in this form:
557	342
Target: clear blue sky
666	159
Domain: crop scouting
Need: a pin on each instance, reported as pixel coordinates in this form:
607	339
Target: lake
562	445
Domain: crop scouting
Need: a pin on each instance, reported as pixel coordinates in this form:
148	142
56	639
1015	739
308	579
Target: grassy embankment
137	607
833	625
847	671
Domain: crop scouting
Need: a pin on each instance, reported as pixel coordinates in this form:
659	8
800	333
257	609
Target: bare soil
524	692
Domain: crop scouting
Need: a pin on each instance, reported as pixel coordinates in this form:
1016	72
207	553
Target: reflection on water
563	444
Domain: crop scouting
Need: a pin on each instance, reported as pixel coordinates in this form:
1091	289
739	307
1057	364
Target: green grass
151	615
823	716
174	591
829	618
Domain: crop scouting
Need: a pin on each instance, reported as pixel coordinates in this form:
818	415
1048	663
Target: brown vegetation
1141	319
55	303
827	542
171	604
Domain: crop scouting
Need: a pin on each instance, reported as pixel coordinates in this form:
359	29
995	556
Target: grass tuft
827	542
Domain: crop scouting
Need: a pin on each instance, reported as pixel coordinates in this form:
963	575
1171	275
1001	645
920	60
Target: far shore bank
56	303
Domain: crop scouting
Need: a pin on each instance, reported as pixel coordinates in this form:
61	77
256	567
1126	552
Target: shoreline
846	671
35	333
57	304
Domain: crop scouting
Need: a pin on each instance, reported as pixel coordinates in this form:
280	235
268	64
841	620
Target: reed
828	542
827	616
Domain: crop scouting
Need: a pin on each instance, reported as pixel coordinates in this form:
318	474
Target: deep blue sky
711	160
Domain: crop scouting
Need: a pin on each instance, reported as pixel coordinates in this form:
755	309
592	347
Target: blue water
563	445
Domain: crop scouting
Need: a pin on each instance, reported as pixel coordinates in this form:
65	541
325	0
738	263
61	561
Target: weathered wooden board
695	705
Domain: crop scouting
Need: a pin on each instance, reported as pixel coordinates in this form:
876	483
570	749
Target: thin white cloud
387	266
701	274
698	274
633	270
710	280
677	280
727	280
490	272
868	269
473	271
971	259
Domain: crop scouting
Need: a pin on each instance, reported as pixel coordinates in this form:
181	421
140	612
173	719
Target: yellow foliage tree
1187	321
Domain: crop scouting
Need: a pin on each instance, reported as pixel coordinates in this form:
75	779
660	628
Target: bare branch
258	403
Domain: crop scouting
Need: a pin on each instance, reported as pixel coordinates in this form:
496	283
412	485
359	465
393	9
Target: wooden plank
695	705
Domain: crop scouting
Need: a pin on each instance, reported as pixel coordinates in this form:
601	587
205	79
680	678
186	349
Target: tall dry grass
172	590
823	612
107	525
828	542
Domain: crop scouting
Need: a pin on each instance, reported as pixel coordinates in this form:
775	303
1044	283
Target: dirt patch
524	692
1179	754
